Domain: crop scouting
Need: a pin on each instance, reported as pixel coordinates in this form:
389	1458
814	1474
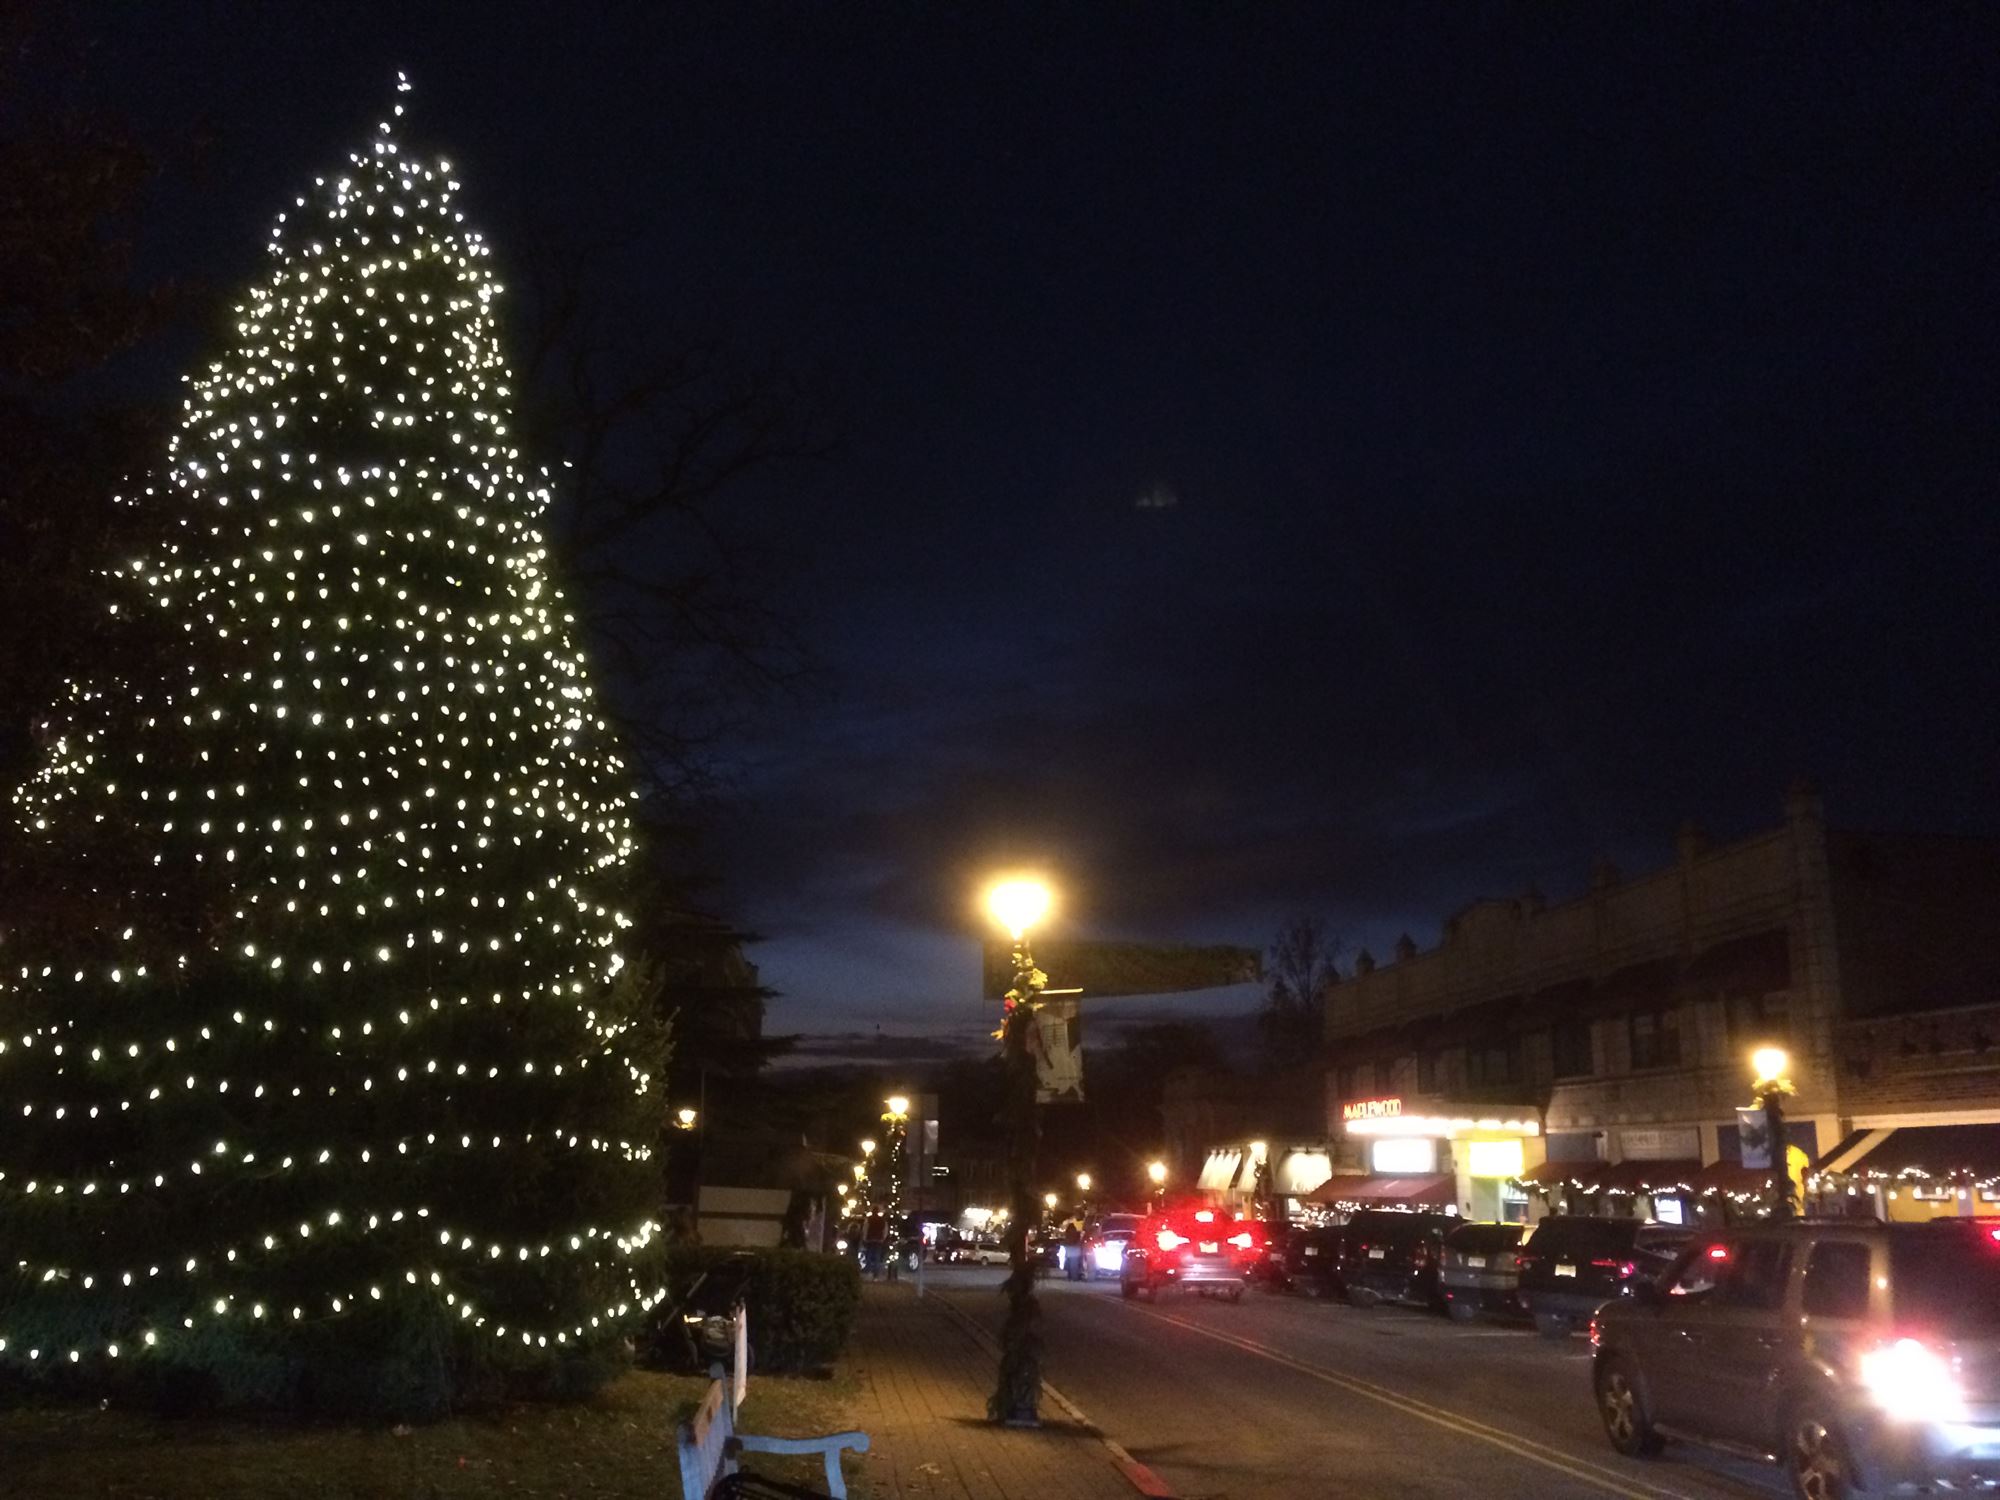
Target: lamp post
1156	1173
1771	1085
1017	905
1260	1180
1083	1195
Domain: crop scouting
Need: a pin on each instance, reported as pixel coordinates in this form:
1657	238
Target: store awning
1612	1176
1218	1173
1731	1177
1942	1151
1437	1189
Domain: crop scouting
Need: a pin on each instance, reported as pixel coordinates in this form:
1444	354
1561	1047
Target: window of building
1385	1076
1569	1045
1427	1073
1489	1065
1755	1019
1837	1280
1656	1039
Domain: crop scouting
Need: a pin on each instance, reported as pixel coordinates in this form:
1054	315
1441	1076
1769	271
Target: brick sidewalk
923	1387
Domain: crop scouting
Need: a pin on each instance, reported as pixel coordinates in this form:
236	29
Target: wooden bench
709	1443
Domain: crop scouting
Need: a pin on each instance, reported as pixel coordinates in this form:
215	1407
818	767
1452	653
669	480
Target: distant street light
1156	1173
1771	1085
899	1106
867	1147
1017	905
1083	1182
684	1118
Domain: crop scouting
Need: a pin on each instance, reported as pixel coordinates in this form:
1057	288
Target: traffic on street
1692	1364
1282	1395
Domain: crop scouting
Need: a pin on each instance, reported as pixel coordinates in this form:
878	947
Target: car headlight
1911	1382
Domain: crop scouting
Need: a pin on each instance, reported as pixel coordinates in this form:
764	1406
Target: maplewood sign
1372	1109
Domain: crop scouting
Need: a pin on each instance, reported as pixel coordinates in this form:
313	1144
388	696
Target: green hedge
802	1305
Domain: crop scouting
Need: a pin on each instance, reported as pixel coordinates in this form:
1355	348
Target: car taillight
1912	1382
1596	1334
1168	1240
1624	1268
1361	1248
1243	1240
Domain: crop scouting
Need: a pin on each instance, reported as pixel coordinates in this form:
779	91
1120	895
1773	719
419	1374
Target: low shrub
801	1305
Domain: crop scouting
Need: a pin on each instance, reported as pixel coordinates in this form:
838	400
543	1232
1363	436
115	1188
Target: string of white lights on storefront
467	811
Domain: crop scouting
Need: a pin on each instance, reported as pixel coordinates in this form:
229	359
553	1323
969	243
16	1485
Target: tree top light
1018	903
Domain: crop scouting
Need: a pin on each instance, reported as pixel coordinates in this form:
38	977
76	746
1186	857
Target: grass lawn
621	1444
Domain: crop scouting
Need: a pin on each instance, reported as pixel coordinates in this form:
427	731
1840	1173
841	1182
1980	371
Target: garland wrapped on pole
338	1091
1016	1398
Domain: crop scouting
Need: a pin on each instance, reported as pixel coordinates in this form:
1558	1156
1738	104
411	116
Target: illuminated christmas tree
332	1074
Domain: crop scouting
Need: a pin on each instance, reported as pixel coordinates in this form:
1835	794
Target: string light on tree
351	1042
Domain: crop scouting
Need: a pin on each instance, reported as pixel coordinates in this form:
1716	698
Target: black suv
1312	1260
1391	1256
1858	1355
1573	1262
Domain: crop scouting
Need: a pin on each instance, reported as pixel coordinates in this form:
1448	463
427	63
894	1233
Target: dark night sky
1578	419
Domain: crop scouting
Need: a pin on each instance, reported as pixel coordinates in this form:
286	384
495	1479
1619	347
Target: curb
1142	1479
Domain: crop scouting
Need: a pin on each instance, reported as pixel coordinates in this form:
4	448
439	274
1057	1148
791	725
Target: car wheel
1360	1296
1460	1312
1627	1422
1815	1456
1551	1326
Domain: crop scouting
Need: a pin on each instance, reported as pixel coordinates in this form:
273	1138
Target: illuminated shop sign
1372	1109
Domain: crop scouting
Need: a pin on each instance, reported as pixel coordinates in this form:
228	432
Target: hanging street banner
1105	971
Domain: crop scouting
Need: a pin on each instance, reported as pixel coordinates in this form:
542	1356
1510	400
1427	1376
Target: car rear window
1388	1226
1584	1236
1484	1239
1951	1281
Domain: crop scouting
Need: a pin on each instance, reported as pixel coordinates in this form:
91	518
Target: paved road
1279	1396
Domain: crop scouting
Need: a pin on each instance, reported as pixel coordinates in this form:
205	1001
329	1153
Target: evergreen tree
340	1095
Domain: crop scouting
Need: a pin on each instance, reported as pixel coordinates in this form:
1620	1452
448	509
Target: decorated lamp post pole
1772	1086
1017	905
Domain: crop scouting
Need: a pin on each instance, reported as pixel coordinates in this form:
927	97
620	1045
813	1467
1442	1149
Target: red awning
1439	1188
1731	1177
1610	1176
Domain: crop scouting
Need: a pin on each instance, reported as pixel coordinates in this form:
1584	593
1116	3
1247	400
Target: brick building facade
1626	1016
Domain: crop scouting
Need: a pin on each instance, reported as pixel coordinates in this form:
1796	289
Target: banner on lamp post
1753	1128
1058	1048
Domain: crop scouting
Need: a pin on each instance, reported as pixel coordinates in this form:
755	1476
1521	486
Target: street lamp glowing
859	1171
1258	1151
1083	1182
1048	1200
1157	1171
684	1117
867	1148
899	1106
1018	905
1771	1063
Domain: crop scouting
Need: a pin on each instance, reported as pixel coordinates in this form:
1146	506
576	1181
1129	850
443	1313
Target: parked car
987	1250
1572	1263
1860	1356
1104	1246
1392	1256
1205	1250
1267	1267
1312	1260
1481	1271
